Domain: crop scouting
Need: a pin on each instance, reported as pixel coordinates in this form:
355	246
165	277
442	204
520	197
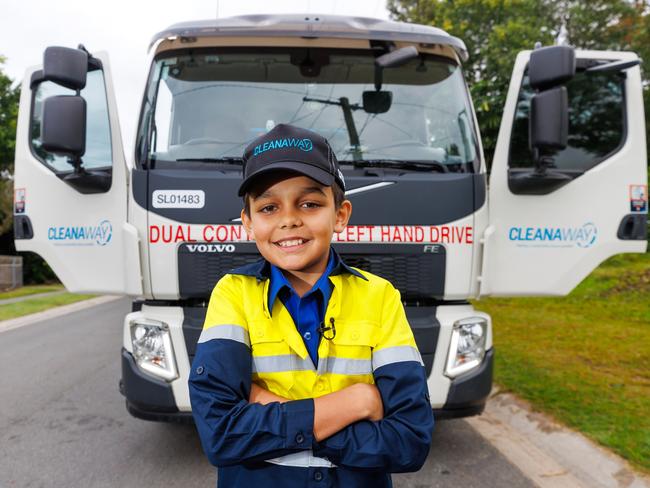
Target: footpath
550	454
7	301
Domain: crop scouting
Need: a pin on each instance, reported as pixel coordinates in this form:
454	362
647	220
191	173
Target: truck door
547	235
75	218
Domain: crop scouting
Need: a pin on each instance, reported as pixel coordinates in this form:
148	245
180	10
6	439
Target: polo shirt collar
261	269
279	282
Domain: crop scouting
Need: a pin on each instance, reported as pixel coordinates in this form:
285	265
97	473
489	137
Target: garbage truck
158	221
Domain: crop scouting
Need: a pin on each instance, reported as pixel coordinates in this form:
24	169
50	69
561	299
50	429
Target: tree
496	30
9	97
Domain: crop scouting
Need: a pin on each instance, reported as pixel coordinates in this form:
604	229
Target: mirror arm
542	163
379	75
77	165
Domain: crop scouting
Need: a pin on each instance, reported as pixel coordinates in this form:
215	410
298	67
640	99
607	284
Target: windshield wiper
392	163
224	160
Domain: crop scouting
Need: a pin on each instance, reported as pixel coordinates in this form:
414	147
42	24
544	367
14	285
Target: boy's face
292	221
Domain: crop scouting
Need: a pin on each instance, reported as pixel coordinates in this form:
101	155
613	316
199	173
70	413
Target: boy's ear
343	214
248	225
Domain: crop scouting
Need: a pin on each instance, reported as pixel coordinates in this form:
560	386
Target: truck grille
416	274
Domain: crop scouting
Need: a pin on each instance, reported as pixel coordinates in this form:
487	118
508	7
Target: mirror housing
65	66
377	102
549	119
63	125
551	66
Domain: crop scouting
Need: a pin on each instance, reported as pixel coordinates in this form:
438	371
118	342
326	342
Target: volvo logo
211	247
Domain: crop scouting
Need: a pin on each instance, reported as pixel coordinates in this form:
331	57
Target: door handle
22	227
633	227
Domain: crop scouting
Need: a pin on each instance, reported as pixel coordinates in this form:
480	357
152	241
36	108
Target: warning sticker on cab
639	198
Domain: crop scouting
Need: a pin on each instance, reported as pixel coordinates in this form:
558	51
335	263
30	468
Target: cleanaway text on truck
159	221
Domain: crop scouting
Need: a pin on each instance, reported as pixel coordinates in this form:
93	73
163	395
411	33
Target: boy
306	372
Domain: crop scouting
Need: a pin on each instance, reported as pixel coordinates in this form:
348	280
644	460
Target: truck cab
160	221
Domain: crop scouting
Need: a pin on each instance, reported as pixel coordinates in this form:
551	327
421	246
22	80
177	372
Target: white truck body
510	244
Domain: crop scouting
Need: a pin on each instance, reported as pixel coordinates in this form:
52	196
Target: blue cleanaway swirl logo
587	235
104	233
306	145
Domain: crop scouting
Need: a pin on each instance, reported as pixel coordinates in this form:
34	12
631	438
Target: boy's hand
373	402
335	411
263	396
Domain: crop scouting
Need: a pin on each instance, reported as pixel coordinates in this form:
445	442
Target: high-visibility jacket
273	445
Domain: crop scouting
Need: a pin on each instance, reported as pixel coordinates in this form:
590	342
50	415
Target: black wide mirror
65	66
63	126
549	119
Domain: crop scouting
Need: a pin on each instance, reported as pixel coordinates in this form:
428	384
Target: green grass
584	358
18	309
29	290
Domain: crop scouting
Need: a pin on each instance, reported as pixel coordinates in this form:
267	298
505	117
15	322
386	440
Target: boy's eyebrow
304	191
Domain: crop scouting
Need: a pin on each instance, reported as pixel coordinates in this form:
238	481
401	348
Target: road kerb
548	453
51	313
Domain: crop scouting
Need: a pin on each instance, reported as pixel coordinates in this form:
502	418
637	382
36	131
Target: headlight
152	348
467	347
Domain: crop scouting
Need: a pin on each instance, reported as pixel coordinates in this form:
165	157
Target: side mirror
551	66
63	126
65	66
549	69
549	119
377	102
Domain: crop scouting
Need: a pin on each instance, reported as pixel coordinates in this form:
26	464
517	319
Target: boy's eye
267	208
311	204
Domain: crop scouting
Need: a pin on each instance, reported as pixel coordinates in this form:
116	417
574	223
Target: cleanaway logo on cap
302	144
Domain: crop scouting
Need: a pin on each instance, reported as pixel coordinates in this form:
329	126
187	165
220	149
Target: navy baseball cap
291	148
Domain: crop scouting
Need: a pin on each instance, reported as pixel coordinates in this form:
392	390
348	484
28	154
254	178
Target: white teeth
295	242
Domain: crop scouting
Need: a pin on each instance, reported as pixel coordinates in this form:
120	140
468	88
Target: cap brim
320	175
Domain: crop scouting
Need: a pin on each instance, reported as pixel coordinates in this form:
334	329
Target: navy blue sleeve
232	430
400	441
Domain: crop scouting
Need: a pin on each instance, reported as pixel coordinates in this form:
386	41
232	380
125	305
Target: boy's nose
290	219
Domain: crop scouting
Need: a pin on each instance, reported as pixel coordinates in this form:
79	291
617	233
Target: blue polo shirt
308	311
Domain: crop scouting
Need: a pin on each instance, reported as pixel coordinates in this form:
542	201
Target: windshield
207	106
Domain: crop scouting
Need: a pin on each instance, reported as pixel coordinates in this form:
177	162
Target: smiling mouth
289	243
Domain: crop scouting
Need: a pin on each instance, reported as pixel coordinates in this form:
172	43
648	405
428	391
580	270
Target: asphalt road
63	421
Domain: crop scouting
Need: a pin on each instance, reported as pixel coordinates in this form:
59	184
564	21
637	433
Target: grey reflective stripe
233	332
347	366
281	363
302	459
293	362
395	354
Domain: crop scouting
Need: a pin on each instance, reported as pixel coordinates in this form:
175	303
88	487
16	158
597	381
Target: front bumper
469	392
151	398
148	398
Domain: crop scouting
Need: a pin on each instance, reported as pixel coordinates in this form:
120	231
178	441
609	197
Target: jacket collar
261	269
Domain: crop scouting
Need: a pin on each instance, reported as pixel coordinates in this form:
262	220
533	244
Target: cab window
98	135
596	122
